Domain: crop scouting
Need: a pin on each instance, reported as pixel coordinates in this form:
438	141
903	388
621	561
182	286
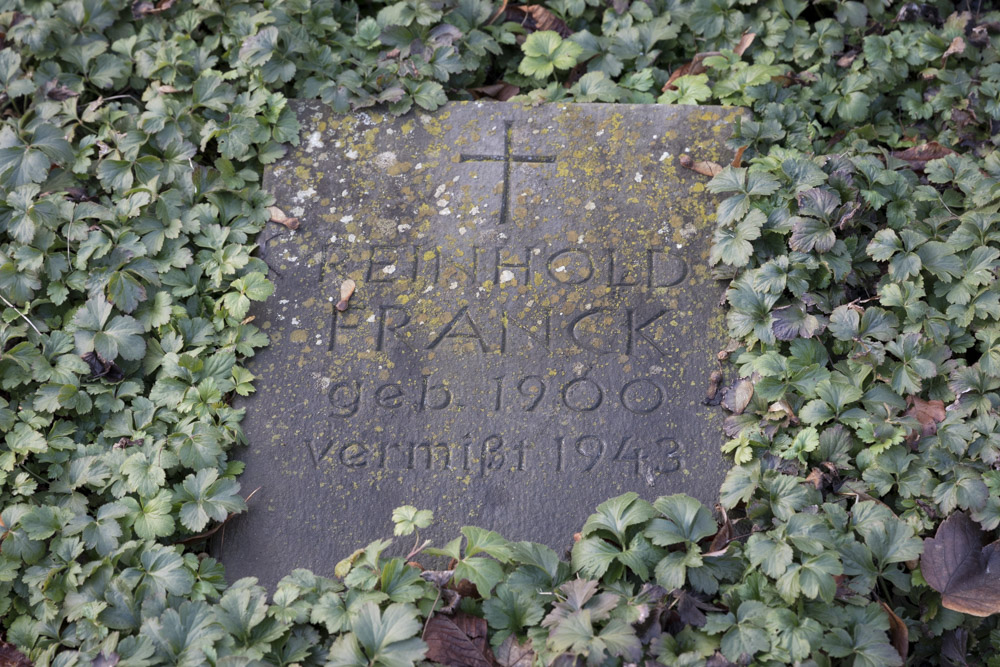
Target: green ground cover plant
860	233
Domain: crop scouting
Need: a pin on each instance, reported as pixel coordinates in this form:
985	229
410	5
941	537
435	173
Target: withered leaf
714	381
846	59
11	657
501	91
535	17
738	158
919	156
703	167
278	216
746	39
738	396
106	660
956	564
59	92
691	610
954	647
510	653
718	660
143	8
99	368
899	634
458	641
956	48
346	290
928	413
439	578
724	535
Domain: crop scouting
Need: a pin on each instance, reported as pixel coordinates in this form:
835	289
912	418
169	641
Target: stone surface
533	328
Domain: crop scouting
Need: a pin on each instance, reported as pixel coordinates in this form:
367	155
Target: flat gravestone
532	333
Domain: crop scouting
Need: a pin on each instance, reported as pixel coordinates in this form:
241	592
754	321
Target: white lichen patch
385	160
390	269
589	206
638	177
314	141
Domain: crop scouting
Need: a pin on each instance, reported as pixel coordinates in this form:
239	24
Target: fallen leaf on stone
928	413
278	216
458	641
899	634
703	167
957	565
738	395
346	290
510	653
714	381
501	92
956	48
919	156
11	657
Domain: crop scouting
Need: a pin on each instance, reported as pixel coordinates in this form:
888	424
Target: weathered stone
532	332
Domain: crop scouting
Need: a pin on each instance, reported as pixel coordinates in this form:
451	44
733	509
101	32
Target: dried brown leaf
346	290
501	91
143	8
956	48
691	68
458	641
725	533
278	216
738	396
919	156
164	88
928	413
59	92
11	657
703	167
746	39
536	17
846	59
899	634
714	381
956	564
512	654
738	159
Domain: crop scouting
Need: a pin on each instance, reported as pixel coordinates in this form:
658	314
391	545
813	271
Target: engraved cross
507	158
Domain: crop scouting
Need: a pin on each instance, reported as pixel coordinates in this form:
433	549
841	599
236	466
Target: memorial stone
533	327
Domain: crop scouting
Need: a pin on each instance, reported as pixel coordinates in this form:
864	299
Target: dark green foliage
863	302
